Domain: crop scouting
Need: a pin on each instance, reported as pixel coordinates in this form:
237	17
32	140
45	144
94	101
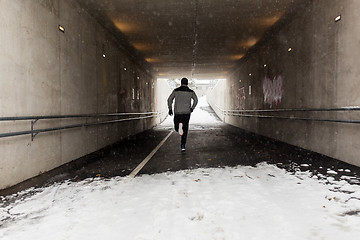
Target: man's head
184	81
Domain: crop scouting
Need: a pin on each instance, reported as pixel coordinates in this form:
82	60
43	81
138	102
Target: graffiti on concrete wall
273	90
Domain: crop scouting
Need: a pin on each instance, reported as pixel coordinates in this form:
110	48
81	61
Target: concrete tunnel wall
46	72
320	71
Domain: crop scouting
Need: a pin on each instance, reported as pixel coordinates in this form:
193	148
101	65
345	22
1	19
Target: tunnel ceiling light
338	18
236	57
248	43
61	28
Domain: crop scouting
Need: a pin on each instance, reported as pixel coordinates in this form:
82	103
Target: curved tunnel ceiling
199	39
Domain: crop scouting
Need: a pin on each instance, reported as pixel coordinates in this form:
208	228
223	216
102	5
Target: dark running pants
184	119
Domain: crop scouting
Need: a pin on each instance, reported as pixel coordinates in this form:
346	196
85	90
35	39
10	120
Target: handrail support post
33	135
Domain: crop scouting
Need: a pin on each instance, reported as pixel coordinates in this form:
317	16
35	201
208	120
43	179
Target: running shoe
181	131
183	148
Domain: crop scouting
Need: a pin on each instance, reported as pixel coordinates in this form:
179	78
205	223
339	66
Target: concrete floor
208	146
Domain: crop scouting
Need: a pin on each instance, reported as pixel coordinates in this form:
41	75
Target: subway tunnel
84	88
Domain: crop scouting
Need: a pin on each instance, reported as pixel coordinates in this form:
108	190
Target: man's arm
194	97
170	100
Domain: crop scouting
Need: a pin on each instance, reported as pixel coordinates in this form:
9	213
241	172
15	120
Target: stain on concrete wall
241	97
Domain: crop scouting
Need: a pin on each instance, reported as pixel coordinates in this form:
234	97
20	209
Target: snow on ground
262	202
201	116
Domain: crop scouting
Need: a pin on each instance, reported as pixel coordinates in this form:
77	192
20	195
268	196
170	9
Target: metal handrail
298	110
34	119
242	113
298	118
37	131
72	116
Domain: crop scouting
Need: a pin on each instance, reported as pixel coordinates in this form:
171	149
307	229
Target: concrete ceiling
199	39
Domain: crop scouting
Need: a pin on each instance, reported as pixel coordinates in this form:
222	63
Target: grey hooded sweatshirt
183	96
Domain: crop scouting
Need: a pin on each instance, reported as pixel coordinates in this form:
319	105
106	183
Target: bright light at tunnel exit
196	82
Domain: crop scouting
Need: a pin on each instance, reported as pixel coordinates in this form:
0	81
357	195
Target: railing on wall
97	121
260	113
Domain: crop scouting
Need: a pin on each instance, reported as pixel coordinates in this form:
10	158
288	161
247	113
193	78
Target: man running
182	109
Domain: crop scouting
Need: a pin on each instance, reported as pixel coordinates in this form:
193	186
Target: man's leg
185	120
176	122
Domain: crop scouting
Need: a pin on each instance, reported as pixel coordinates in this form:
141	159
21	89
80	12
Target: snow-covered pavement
262	202
242	202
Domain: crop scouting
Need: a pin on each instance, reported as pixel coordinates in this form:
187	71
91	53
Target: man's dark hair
184	81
